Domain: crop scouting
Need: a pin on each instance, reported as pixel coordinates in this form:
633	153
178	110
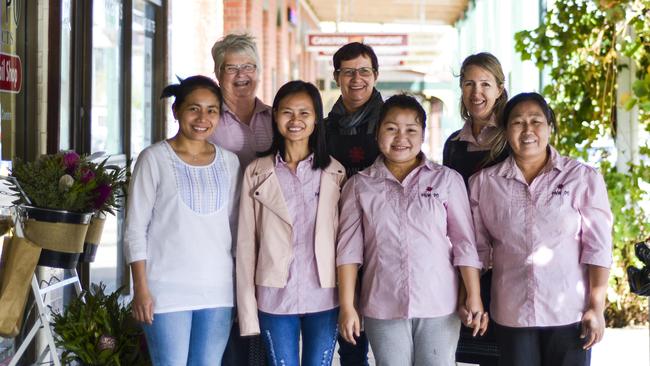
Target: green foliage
583	45
97	329
67	181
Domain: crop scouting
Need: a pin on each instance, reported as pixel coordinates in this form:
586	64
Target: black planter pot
51	258
88	255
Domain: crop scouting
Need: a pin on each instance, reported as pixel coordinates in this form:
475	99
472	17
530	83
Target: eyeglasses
243	68
349	71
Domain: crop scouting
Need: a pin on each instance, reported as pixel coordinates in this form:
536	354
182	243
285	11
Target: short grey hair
238	43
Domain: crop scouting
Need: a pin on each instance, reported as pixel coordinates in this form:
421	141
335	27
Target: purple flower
70	161
86	175
103	191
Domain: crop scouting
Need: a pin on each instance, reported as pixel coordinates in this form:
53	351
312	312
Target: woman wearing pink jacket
288	218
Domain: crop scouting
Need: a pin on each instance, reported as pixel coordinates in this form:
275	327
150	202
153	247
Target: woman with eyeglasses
245	129
351	127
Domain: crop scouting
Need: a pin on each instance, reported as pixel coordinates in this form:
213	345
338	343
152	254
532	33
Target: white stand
43	319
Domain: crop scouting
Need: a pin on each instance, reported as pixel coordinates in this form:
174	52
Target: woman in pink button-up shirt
407	221
547	221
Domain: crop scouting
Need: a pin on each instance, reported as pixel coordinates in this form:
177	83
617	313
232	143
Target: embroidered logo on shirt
428	193
560	191
356	154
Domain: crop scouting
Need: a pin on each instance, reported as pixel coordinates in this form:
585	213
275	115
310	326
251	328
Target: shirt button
257	193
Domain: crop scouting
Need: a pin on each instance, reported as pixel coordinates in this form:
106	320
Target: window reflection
106	127
144	27
64	111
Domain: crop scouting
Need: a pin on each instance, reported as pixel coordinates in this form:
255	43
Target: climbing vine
582	47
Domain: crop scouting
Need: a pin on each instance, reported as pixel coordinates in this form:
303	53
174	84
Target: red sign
11	73
317	40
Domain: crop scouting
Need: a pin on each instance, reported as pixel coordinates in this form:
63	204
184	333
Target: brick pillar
234	16
270	63
283	55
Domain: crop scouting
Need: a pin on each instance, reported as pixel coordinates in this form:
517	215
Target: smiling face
240	84
295	117
400	136
198	115
356	89
480	91
528	132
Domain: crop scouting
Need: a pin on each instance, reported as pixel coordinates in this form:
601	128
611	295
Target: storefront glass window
106	115
144	27
64	109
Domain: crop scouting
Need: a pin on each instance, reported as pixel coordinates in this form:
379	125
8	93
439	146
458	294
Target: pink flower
86	175
103	191
70	161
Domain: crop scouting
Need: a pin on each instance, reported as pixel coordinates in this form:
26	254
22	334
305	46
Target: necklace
193	157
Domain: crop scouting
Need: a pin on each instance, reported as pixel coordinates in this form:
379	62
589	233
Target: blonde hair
490	63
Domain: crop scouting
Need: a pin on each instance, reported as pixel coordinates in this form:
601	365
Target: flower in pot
97	329
60	193
110	182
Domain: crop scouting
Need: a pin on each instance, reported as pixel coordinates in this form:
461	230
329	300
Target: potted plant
98	329
111	183
59	195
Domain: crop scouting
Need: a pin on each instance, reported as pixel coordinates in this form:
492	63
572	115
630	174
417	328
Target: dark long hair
186	86
317	144
501	143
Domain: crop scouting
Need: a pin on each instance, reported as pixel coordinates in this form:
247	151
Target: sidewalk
628	346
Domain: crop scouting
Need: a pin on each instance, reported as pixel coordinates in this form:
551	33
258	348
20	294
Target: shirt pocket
429	207
558	216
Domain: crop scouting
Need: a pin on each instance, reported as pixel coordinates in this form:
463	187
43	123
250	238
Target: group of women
340	224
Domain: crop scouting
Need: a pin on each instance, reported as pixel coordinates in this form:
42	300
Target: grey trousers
414	342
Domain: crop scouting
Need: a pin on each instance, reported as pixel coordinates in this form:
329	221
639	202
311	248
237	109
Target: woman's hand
593	319
142	307
593	327
349	324
473	316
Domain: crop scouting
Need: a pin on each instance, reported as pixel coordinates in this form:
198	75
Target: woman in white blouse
178	239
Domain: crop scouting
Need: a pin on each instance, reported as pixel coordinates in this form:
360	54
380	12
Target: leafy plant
67	181
97	329
584	45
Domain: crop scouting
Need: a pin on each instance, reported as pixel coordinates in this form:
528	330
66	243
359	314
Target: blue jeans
193	337
281	334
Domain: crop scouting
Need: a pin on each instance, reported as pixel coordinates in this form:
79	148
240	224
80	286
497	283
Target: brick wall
282	52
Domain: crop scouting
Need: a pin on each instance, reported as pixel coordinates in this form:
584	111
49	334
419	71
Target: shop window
106	114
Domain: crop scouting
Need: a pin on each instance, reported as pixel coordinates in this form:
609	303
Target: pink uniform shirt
482	142
244	140
542	237
303	293
408	236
